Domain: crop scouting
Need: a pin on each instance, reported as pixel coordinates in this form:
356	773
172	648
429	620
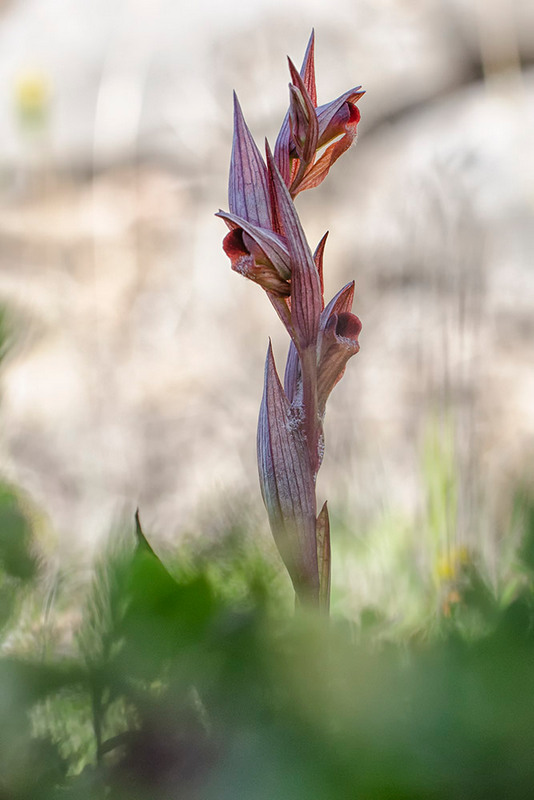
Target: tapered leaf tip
292	67
269	360
271	163
238	113
309	47
322	240
142	541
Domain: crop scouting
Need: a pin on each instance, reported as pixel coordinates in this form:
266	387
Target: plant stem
308	363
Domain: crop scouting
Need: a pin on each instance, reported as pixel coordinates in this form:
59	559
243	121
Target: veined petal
303	125
255	268
337	120
248	192
287	484
306	301
281	148
272	245
324	558
342	301
339	341
316	174
307	70
333	116
261	256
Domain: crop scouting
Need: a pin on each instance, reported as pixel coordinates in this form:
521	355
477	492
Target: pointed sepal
287	484
318	259
282	145
248	193
307	70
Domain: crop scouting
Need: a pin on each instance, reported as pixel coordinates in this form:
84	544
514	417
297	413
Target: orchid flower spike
266	243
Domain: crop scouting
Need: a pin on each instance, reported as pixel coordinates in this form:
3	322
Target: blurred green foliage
180	687
16	557
192	679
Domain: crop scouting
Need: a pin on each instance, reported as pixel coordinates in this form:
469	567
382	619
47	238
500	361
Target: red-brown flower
308	128
266	243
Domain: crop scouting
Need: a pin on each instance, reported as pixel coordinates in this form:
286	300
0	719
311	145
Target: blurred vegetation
188	676
194	680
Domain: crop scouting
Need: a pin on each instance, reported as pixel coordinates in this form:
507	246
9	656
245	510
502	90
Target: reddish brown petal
272	245
342	301
281	148
307	70
321	168
303	125
262	257
248	265
339	341
287	484
306	300
332	117
248	193
324	558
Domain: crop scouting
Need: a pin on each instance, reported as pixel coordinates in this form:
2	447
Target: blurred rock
136	377
142	79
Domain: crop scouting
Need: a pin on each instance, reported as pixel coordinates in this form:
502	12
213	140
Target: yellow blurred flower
450	563
32	98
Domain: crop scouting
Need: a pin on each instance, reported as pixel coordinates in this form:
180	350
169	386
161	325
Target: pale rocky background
136	370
